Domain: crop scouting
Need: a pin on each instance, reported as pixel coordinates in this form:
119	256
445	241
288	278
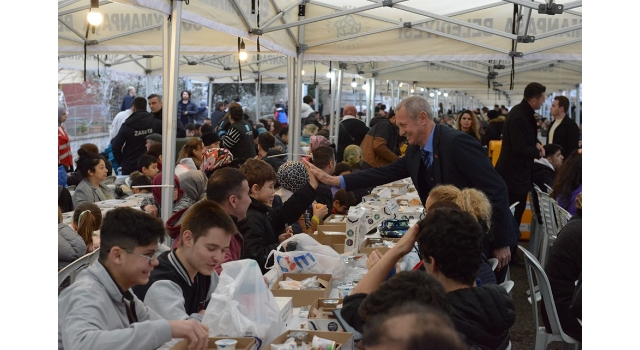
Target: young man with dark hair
182	284
99	309
450	245
267	151
264	226
130	142
544	171
563	130
148	166
342	201
237	137
520	146
324	157
230	188
155	104
412	326
282	138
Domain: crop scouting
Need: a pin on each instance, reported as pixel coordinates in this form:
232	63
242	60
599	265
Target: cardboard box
286	309
303	297
398	187
376	212
321	317
244	343
409	213
344	340
332	235
366	247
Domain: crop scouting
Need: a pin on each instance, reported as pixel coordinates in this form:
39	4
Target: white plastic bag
242	304
309	257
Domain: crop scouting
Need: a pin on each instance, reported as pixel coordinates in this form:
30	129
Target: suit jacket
459	160
519	138
567	135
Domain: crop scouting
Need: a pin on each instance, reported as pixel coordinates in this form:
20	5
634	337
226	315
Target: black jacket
275	158
459	160
264	224
494	130
216	117
130	142
350	132
484	315
567	135
157	126
518	151
238	139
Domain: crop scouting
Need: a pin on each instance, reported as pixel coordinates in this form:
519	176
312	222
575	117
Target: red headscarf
157	191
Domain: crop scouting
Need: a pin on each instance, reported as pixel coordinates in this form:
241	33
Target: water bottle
120	170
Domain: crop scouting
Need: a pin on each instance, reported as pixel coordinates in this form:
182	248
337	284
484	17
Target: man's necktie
425	159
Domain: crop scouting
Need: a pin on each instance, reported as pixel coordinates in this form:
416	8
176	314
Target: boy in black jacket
264	226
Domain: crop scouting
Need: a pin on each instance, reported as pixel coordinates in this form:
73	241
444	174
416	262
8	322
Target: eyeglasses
150	258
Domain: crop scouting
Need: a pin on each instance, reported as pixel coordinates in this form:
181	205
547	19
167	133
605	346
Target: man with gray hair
436	155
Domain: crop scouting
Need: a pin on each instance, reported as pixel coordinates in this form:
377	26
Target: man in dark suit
520	147
563	131
453	158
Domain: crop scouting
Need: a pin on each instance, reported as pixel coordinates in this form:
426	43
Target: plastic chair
562	216
507	285
512	207
542	338
494	263
109	180
547	212
68	275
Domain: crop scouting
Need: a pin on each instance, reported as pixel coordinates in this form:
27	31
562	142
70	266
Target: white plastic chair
507	285
512	207
71	271
542	338
494	263
109	180
547	212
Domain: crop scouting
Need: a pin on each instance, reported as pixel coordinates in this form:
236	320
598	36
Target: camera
550	9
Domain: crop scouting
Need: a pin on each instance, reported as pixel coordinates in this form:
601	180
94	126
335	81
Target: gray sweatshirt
92	315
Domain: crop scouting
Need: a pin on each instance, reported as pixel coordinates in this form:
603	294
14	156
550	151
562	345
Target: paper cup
226	344
322	344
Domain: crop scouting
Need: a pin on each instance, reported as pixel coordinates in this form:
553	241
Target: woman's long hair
569	176
187	150
87	218
475	125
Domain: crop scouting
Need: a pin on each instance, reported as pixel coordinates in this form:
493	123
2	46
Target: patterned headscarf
214	158
292	175
316	141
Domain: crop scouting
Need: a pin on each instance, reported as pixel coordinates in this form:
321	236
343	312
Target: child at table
148	165
182	284
342	201
87	220
99	309
139	179
263	227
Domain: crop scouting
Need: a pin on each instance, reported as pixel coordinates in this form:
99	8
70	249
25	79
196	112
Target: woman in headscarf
291	176
65	157
317	141
353	156
215	158
194	184
152	204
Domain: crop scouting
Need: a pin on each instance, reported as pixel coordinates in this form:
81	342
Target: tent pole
210	96
577	118
170	110
258	111
148	80
334	134
316	101
298	98
294	119
368	100
332	115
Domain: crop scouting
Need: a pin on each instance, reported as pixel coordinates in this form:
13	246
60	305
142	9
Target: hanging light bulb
431	94
364	86
400	85
353	82
412	91
421	89
94	17
439	93
329	75
302	72
446	94
242	55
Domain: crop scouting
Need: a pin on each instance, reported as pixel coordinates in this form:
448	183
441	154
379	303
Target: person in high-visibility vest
65	156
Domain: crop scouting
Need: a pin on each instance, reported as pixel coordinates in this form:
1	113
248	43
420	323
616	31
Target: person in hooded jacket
494	130
130	142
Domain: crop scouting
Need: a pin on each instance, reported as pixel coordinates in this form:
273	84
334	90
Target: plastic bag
242	304
309	257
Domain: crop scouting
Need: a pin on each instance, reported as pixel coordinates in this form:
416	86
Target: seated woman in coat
93	170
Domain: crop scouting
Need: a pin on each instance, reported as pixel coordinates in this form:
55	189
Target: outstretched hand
320	175
313	179
406	243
